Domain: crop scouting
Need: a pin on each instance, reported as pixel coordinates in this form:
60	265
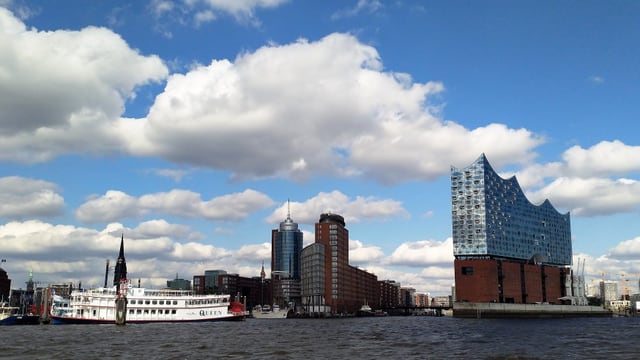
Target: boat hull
281	314
21	320
65	320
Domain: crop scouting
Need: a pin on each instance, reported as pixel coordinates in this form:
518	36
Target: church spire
121	265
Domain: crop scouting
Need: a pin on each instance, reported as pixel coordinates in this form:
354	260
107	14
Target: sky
191	127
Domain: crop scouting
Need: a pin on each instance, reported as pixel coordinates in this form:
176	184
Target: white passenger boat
98	306
123	303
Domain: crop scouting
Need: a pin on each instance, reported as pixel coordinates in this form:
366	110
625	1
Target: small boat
11	315
98	306
365	310
268	312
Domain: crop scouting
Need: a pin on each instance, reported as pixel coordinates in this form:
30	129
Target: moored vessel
123	303
11	315
268	312
98	306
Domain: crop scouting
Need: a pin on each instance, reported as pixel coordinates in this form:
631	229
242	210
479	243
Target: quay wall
502	310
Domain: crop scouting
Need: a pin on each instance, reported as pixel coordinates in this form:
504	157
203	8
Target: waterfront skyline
187	125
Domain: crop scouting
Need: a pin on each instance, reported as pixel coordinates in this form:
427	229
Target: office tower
330	284
286	250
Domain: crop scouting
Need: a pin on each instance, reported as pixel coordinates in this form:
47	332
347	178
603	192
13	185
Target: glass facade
287	247
286	263
491	217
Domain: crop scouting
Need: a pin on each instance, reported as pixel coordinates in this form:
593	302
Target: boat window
154	302
173	311
153	312
146	302
175	302
161	302
138	311
166	311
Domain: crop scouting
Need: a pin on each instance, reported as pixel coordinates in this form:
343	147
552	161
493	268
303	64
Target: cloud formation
116	205
313	108
24	198
587	182
62	91
199	12
296	110
424	253
353	210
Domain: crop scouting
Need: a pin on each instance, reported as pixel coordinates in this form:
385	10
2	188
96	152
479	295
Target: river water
412	337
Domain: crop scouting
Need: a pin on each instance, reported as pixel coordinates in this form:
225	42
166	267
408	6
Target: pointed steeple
262	273
121	265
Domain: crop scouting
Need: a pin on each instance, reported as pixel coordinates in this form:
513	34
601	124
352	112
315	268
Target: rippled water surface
352	338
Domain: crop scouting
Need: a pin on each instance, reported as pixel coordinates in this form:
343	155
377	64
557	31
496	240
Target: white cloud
22	198
240	9
115	205
606	158
587	182
591	196
62	91
360	253
175	174
362	6
159	228
423	253
362	120
353	210
627	249
255	253
198	12
204	17
112	206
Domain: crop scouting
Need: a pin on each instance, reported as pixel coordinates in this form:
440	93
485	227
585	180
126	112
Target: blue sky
187	124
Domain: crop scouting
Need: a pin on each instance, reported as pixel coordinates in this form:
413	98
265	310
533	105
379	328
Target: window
467	270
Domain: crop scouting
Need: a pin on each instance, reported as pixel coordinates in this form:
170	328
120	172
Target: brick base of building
507	281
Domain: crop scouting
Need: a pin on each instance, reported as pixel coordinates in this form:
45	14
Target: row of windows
152	302
152	311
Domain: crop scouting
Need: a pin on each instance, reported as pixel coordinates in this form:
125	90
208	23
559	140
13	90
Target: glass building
286	252
491	217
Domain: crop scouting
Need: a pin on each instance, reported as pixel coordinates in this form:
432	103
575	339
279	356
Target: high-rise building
286	250
506	249
330	284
